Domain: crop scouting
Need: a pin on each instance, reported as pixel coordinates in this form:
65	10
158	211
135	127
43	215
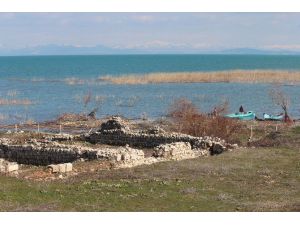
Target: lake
40	79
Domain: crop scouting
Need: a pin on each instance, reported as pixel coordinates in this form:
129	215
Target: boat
272	117
242	116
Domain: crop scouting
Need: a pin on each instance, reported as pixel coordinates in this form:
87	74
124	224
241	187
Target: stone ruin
116	132
122	150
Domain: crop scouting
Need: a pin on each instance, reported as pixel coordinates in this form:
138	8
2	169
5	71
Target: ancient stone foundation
116	132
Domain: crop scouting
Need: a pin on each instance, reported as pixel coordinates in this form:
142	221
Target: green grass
296	130
245	180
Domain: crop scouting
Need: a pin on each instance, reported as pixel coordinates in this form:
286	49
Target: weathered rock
60	168
216	149
7	167
12	166
53	168
177	150
69	167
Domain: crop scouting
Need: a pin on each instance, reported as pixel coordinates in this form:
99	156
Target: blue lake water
52	97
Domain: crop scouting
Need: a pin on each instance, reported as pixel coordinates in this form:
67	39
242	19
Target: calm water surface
52	97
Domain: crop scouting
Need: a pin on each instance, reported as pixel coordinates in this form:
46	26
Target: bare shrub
281	99
188	119
87	99
220	109
84	100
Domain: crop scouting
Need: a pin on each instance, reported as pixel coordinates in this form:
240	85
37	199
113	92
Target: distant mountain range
103	50
253	51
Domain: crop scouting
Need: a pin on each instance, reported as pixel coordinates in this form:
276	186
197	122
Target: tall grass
4	101
234	76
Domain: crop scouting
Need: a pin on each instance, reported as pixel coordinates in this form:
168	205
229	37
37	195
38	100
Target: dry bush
189	120
282	100
87	99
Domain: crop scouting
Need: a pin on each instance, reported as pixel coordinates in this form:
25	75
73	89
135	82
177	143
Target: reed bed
4	101
233	76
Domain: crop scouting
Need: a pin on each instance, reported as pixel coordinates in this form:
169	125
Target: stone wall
46	153
35	155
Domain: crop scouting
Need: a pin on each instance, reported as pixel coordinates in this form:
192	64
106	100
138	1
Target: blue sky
200	31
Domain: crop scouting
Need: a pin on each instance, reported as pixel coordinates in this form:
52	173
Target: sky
198	31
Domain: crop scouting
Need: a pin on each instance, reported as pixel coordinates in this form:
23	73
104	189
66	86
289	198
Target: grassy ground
261	179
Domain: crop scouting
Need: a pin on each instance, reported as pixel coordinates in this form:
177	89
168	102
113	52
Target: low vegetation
232	76
188	119
264	179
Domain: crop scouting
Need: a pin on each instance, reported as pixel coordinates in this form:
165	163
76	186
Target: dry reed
4	101
232	76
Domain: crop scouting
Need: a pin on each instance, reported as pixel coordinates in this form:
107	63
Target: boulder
60	168
8	167
216	149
